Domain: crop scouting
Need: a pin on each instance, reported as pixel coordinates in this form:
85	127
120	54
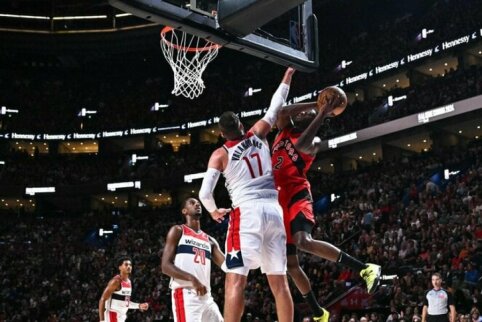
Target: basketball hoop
188	56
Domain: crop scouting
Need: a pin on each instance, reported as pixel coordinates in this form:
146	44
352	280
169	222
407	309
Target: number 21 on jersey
199	256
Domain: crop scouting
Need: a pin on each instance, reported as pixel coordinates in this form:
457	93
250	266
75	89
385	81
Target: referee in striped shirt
437	303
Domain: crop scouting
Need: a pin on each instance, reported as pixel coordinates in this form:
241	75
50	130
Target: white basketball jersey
193	255
249	173
119	300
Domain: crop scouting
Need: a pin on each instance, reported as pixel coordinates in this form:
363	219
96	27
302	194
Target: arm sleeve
133	306
278	99
425	301
206	192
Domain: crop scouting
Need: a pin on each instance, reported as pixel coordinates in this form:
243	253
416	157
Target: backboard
290	39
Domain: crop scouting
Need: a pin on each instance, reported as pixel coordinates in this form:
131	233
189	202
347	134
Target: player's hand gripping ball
332	101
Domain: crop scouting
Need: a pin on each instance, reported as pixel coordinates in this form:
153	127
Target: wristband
134	306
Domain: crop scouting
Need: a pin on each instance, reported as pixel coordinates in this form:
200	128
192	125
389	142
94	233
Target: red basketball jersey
289	165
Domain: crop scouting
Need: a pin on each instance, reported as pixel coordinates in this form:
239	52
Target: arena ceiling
65	16
69	16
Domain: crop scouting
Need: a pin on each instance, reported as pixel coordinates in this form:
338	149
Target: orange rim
167	29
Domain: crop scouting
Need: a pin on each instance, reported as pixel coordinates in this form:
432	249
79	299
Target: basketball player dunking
256	236
187	259
116	298
294	150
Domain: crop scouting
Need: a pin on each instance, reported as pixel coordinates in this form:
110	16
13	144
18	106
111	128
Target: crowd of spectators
395	212
49	99
46	109
46	106
371	33
68	170
433	92
411	223
162	165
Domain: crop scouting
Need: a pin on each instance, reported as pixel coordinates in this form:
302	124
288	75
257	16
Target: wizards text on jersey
196	244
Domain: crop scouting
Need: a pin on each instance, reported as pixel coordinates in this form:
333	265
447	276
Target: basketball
333	100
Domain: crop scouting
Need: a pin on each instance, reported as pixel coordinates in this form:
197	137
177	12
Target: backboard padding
206	26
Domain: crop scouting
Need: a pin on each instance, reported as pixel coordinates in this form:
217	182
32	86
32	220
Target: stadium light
424	34
34	190
118	185
448	174
4	110
120	15
136	157
84	112
190	177
344	64
2	162
333	197
80	17
156	107
252	91
392	99
103	232
8	15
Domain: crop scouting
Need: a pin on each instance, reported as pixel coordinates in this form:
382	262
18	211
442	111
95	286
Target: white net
188	56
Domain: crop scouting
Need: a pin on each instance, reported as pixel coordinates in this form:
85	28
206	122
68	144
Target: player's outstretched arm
114	285
216	165
263	126
167	261
287	111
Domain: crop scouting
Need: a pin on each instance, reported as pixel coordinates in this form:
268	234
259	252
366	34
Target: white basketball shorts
256	238
187	306
112	316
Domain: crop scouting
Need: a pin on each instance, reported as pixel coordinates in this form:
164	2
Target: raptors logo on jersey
119	300
193	255
248	173
289	165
